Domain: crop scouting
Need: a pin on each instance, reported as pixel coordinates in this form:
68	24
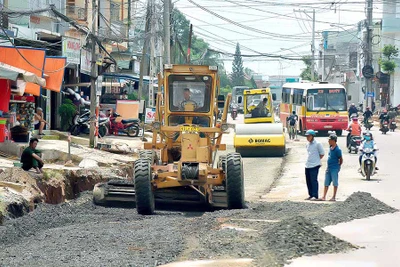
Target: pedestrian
30	157
315	152
335	161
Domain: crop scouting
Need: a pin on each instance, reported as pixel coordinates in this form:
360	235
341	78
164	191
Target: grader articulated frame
179	164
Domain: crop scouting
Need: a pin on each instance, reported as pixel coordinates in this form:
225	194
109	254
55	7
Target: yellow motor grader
179	165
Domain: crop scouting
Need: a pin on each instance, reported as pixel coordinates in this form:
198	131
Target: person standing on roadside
335	161
315	152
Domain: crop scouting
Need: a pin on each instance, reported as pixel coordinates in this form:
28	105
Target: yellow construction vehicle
260	135
179	165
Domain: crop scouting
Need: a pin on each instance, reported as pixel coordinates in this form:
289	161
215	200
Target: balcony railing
76	12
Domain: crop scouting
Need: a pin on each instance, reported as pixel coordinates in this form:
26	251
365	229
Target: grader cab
179	165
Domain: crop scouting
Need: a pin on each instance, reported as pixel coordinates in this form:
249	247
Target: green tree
306	73
237	76
67	112
387	63
200	52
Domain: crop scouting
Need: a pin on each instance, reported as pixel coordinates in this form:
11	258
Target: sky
277	27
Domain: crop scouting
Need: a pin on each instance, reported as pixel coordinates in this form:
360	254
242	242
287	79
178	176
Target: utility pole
144	50
190	44
167	32
152	52
313	47
368	52
93	78
312	40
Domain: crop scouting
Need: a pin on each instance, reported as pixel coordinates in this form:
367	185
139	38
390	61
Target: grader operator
179	165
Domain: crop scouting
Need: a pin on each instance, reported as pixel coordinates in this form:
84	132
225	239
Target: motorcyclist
354	130
392	114
383	117
292	120
353	109
367	143
367	114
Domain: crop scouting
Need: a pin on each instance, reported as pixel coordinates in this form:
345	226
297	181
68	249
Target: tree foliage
237	75
67	112
306	73
387	63
200	50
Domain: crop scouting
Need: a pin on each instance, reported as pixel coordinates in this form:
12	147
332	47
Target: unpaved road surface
78	233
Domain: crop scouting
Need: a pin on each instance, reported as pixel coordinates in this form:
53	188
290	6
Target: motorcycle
82	125
129	127
392	125
354	144
368	163
368	124
234	112
385	127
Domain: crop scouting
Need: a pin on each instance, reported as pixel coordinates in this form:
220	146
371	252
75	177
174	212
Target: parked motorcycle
129	127
385	127
234	111
392	125
354	144
368	163
82	125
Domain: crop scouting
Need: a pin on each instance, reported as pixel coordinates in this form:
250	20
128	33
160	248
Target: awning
27	59
54	68
13	73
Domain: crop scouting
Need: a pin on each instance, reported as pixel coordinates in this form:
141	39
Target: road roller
180	166
260	135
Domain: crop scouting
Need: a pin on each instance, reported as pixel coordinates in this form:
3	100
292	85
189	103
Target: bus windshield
326	99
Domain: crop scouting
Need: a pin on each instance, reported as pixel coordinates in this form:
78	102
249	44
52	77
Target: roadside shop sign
150	115
72	50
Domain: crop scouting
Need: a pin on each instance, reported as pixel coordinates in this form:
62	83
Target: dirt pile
297	236
357	206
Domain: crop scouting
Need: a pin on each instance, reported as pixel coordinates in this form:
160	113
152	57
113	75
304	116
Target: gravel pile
78	233
296	237
357	206
81	234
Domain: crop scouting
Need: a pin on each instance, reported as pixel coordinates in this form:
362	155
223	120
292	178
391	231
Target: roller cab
260	135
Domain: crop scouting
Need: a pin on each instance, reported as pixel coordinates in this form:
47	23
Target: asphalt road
259	173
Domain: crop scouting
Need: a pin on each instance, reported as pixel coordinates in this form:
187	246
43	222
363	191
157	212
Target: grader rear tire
143	190
234	181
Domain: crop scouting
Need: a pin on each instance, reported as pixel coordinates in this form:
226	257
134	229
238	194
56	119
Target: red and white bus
320	106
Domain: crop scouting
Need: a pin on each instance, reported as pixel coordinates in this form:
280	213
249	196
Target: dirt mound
296	237
357	206
27	179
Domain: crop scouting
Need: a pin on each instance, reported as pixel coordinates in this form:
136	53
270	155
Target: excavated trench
54	186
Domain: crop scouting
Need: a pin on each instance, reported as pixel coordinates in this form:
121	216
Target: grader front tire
143	190
234	181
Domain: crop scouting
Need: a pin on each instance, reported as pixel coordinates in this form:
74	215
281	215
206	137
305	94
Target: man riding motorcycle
367	115
354	130
352	110
367	143
383	117
292	120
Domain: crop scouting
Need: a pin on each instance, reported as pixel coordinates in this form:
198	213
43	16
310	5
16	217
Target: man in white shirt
315	152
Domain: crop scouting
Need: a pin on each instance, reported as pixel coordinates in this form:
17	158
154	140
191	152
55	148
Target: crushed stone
297	236
78	233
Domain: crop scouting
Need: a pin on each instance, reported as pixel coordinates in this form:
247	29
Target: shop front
24	74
